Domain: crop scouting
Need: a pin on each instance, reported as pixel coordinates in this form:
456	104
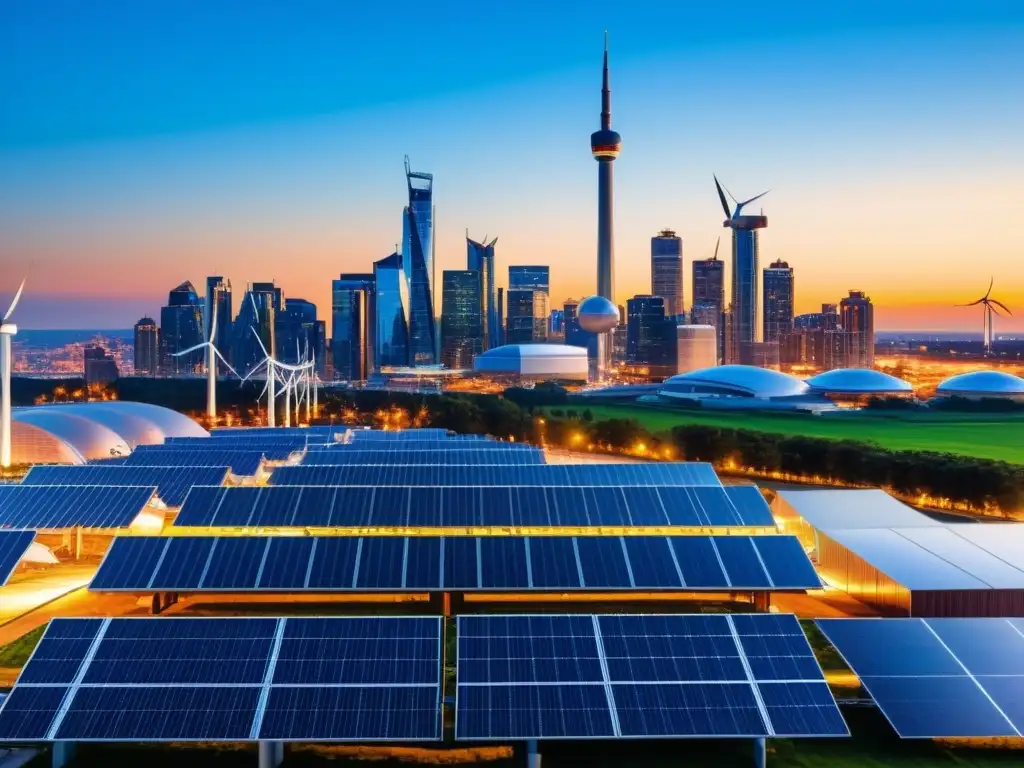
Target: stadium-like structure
979	385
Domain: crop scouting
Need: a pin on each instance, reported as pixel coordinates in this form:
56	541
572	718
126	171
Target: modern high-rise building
556	322
147	347
857	316
181	328
257	313
418	266
708	292
650	335
100	368
667	270
391	321
529	278
777	285
501	317
353	300
480	258
218	300
527	317
462	325
300	335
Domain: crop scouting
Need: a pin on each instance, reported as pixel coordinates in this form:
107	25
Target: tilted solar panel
348	455
230	679
938	678
272	452
172	483
430	563
50	507
241	462
750	504
654	676
403	446
13	546
403	434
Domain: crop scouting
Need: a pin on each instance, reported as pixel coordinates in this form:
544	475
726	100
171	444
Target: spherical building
597	314
859	383
696	347
980	385
533	362
734	381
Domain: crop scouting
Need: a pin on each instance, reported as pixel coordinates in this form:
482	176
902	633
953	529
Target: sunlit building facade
391	318
709	296
778	284
667	270
353	299
857	316
146	347
462	334
527	316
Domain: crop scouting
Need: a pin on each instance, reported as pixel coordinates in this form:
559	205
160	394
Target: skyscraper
777	285
180	329
605	145
257	314
529	278
667	270
218	299
299	334
744	273
650	335
527	317
857	317
100	368
709	296
480	258
147	350
418	266
501	317
353	299
391	321
461	322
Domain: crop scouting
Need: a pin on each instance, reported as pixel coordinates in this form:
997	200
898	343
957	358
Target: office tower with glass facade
857	317
527	317
181	328
391	318
650	335
462	325
708	292
147	347
353	299
777	284
418	266
501	317
480	259
218	300
529	278
256	323
667	270
300	335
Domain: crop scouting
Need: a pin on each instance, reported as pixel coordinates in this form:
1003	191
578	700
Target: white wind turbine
7	332
212	355
273	368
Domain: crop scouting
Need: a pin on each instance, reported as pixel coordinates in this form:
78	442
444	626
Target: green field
996	436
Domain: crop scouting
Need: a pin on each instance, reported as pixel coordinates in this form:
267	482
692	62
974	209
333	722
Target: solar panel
13	546
50	507
431	563
525	506
656	676
938	678
242	462
395	455
750	504
230	679
172	483
404	446
360	435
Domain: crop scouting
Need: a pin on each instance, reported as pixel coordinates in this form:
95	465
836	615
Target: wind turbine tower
988	309
7	332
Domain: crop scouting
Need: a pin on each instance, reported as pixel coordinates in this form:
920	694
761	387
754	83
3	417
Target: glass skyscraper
480	258
857	316
709	296
391	318
147	347
461	321
744	292
218	300
777	285
353	300
650	335
527	316
257	312
418	266
667	270
529	278
181	328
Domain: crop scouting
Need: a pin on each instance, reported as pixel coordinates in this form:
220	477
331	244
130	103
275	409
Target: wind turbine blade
221	358
972	304
718	242
1002	306
993	310
191	349
213	323
756	197
991	282
14	301
721	197
253	329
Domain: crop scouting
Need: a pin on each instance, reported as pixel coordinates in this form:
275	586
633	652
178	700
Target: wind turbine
736	220
212	355
7	332
273	367
987	303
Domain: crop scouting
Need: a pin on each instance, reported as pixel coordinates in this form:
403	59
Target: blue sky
143	144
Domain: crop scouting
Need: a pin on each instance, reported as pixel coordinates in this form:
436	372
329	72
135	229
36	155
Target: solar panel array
461	507
172	483
662	473
429	563
939	678
13	545
242	462
404	446
49	507
230	679
397	456
365	435
602	677
273	450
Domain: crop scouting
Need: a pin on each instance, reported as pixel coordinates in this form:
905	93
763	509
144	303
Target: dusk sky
143	144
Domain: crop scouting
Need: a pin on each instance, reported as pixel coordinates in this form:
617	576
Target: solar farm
420	589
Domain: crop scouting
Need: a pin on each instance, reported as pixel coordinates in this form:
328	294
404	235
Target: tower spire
606	93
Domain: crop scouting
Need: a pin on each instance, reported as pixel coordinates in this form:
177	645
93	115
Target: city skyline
106	217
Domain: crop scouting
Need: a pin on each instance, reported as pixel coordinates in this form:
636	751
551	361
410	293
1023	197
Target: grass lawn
995	436
16	654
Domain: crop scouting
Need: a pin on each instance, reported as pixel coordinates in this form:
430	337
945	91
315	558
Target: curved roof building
983	384
79	432
858	381
534	361
734	381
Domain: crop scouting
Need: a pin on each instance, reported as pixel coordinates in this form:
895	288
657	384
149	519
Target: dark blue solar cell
553	563
530	507
698	560
766	624
28	712
516	712
461	563
681	507
741	562
780	657
1008	694
603	562
786	561
714	506
160	714
423	563
688	710
275	507
910	647
802	709
503	563
750	504
461	507
236	507
287	563
60	653
928	707
606	507
425	507
984	646
129	564
353	508
184	561
381	563
496	507
314	507
644	504
652	562
567	507
391	507
352	714
199	507
334	563
235	563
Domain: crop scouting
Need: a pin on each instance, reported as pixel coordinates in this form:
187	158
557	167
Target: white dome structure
979	385
734	381
537	362
858	381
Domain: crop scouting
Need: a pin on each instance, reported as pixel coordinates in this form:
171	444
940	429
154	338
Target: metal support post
62	752
760	753
271	754
532	754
